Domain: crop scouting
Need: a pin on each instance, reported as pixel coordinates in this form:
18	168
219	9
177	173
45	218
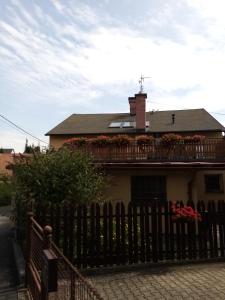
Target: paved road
194	281
8	278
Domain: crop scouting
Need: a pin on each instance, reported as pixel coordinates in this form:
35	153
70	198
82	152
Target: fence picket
142	234
130	233
92	237
220	217
79	236
147	232
118	233
71	233
154	231
171	224
135	233
123	234
214	229
200	233
105	234
85	235
159	231
111	261
210	232
183	237
166	226
97	235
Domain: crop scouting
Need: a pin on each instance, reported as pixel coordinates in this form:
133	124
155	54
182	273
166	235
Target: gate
49	274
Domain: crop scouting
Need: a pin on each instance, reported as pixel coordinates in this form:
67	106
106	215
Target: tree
31	148
57	176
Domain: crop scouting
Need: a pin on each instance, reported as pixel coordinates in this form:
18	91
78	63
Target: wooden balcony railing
206	150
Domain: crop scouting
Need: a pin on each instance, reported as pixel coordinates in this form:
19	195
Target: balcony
208	150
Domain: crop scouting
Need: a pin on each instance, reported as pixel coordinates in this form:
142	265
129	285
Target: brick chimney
140	105
132	102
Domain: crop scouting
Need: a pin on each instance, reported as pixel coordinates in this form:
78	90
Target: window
128	124
125	124
214	183
147	188
115	125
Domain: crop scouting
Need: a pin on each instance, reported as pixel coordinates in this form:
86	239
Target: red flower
185	213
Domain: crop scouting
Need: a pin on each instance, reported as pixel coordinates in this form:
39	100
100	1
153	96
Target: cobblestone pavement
193	281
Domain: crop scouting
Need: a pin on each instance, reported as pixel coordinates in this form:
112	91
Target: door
147	188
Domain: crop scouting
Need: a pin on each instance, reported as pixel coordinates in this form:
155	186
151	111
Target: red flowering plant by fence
185	213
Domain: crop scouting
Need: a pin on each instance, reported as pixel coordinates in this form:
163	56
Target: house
5	160
175	171
6	150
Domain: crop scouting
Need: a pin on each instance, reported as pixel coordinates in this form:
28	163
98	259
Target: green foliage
6	190
31	148
58	176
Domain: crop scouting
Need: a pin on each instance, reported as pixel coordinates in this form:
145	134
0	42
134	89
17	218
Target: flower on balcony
75	142
193	139
143	140
121	140
198	138
186	213
171	138
101	141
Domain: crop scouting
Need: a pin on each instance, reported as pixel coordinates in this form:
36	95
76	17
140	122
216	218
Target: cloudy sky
59	57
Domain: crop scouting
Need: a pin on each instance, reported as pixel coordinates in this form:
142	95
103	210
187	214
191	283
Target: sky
59	57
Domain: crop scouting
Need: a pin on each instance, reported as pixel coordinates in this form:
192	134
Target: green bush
58	176
6	190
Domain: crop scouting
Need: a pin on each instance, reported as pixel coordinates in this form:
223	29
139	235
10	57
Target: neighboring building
192	171
6	150
5	160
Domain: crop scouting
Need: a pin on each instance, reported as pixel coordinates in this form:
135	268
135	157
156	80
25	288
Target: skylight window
125	124
128	124
115	124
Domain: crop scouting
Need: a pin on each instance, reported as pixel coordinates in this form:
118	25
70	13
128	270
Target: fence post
47	239
28	245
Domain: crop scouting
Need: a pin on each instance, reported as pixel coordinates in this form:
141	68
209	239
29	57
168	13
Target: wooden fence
102	235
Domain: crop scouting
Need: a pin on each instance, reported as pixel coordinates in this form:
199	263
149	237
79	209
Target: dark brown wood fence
105	235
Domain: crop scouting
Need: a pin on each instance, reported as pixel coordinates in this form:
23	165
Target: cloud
77	57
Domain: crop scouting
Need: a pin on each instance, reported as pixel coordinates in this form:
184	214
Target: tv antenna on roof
141	81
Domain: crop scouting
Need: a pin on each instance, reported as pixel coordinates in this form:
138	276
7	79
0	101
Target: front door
148	188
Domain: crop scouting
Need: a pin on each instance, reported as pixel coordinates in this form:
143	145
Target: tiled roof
160	121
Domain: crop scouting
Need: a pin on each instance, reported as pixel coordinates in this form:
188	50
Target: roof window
115	124
125	124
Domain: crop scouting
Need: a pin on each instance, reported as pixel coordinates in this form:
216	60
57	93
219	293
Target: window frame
210	190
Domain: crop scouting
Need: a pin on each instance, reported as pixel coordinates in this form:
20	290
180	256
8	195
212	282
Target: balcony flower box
121	140
145	140
75	142
101	141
